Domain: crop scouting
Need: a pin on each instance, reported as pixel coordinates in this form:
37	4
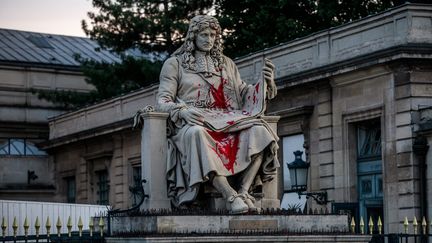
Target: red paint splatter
218	95
257	87
230	122
199	94
254	99
227	146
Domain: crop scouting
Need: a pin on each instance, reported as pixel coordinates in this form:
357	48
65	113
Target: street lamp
298	172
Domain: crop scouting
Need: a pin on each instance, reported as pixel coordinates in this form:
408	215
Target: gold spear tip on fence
4	226
371	225
58	225
4	223
15	226
424	225
48	224
353	224
362	224
91	226
37	226
101	222
101	225
405	224
80	223
379	225
26	226
415	224
69	226
80	226
69	222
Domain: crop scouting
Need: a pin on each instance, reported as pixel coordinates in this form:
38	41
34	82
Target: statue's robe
197	152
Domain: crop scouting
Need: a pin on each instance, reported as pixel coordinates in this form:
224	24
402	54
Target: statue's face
205	39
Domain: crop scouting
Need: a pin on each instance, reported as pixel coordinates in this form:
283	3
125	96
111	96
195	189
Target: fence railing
413	231
20	210
400	238
82	235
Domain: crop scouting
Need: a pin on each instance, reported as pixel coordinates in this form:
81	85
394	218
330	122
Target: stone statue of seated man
218	131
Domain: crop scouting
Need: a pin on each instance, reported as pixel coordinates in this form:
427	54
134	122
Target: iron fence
80	236
401	238
63	238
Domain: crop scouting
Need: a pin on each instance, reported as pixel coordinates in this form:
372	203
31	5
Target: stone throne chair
154	166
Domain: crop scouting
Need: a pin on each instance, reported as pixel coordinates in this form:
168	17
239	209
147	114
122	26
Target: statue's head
201	24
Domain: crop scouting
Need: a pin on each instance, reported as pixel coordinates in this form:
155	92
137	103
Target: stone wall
117	153
24	116
20	105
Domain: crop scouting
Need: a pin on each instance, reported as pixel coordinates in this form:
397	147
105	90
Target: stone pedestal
246	238
220	224
153	160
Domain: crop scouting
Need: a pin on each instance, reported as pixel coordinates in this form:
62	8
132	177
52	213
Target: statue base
233	228
245	238
219	224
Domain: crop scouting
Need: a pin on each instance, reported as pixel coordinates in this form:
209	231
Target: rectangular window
135	189
70	189
103	187
290	145
4	146
20	147
369	140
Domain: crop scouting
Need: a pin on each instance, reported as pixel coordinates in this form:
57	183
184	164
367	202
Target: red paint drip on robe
220	101
257	87
227	146
255	93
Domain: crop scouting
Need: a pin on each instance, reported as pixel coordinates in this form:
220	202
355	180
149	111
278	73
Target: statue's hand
192	116
268	72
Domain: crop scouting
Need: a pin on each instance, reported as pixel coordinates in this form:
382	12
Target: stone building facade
35	61
350	95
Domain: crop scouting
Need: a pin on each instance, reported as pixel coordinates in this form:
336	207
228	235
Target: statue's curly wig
186	51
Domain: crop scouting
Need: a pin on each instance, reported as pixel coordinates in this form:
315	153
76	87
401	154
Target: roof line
43	33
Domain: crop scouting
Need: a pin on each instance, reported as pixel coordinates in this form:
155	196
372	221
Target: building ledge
407	25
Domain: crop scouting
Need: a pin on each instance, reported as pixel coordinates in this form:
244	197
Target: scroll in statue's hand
192	116
268	74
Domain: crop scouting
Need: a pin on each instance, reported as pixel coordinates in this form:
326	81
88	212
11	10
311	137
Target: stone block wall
118	153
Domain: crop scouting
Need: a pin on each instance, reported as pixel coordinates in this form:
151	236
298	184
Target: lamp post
298	172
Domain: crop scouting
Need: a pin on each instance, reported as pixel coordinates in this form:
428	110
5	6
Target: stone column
270	189
153	160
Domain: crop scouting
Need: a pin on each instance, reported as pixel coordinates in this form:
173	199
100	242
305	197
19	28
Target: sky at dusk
46	16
